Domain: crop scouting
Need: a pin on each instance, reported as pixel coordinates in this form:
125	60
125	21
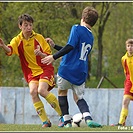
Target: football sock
40	111
52	100
123	116
64	108
63	104
84	109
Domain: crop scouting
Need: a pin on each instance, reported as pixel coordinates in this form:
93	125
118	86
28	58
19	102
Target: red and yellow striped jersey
31	64
127	63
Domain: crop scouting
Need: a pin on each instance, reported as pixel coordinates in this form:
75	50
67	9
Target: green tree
54	19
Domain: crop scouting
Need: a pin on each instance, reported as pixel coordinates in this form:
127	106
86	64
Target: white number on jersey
84	51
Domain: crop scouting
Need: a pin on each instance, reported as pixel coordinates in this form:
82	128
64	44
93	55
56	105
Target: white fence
105	105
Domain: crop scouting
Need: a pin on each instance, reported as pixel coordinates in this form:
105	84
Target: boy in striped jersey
127	63
31	47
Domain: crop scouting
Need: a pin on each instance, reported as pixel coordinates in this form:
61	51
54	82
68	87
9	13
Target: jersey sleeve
13	45
63	51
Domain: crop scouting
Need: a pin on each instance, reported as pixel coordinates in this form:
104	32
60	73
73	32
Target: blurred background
54	20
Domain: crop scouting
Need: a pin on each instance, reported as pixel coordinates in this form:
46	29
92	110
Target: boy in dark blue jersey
73	69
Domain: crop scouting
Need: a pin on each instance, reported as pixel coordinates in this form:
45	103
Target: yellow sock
123	116
52	100
40	110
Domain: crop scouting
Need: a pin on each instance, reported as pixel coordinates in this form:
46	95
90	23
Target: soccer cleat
68	125
46	124
61	122
92	124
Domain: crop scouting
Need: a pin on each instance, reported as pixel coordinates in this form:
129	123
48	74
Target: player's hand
50	41
6	48
39	53
47	60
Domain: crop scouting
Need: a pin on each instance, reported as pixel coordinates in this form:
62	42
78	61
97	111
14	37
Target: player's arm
57	47
6	48
63	51
49	59
52	44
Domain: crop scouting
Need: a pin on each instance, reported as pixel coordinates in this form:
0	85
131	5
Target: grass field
54	128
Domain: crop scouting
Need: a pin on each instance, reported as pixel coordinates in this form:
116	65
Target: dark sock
83	107
63	102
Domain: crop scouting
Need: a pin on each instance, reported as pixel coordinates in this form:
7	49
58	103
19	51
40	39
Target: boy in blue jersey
73	69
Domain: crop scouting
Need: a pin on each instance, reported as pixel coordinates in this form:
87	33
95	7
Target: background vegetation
54	19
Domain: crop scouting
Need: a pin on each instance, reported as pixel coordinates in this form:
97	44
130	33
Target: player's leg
124	110
125	103
63	102
38	105
78	92
63	86
47	78
50	97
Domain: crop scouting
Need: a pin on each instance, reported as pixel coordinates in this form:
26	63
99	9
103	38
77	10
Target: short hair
25	17
90	15
129	41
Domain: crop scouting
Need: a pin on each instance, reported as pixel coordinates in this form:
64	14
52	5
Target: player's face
26	28
129	48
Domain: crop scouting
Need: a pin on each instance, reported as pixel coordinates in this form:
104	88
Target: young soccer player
127	63
31	47
73	69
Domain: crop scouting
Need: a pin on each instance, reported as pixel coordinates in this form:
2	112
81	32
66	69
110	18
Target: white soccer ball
78	120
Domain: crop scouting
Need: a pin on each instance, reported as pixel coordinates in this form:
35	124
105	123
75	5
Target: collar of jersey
21	35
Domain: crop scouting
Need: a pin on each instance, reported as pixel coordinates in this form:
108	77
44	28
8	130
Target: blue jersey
74	65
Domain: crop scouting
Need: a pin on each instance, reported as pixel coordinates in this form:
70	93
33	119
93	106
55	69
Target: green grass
54	128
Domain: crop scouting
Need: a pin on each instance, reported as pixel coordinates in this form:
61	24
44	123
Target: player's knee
42	91
62	92
77	97
34	93
126	102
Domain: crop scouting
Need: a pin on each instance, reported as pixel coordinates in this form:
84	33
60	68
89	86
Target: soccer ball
78	120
